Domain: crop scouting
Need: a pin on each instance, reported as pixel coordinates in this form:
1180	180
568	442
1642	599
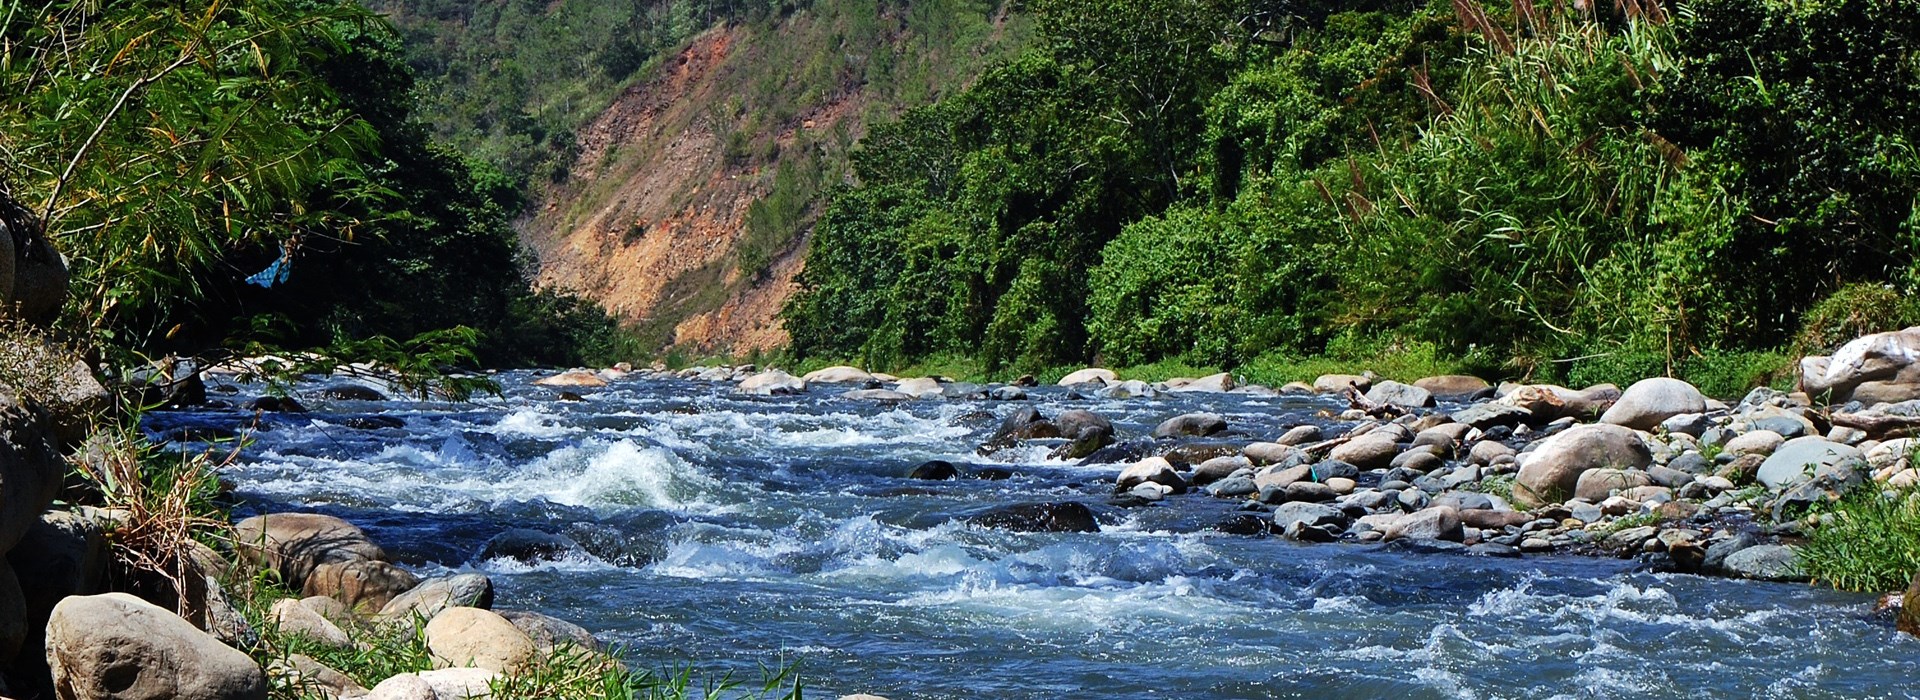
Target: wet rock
1651	401
434	595
374	422
1767	562
1233	487
1089	375
1553	470
1130	389
1150	470
1798	459
1219	468
1078	423
936	470
1123	452
1040	517
877	395
993	474
840	374
350	391
1718	552
529	546
1007	393
772	382
1191	425
1244	524
1394	393
475	638
115	646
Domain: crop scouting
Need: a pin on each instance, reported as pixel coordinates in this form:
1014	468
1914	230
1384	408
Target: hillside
684	205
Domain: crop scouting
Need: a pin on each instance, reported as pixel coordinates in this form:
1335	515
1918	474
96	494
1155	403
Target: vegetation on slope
175	149
1529	190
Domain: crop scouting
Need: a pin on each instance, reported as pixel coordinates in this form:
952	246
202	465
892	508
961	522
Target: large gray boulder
838	375
434	595
1370	451
1402	395
1797	460
1649	401
1552	472
1767	562
1192	424
1435	523
115	646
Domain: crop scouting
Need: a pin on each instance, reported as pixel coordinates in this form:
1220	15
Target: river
731	532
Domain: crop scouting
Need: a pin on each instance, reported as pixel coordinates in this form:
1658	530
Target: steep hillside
684	206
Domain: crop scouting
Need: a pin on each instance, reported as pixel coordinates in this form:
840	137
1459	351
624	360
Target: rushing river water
731	532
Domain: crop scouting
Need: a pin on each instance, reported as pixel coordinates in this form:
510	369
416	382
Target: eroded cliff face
652	200
653	215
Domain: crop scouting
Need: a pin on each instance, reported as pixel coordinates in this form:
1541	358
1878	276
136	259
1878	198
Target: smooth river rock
1796	460
115	646
1552	472
1650	401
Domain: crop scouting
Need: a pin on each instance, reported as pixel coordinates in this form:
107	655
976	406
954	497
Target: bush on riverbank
1869	542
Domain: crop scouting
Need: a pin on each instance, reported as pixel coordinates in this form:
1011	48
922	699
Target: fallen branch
1878	426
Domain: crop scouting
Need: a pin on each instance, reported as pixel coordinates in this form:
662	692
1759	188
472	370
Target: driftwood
1878	426
1324	447
1359	401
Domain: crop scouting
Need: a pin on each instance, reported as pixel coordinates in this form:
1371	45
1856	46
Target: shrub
1869	541
1853	311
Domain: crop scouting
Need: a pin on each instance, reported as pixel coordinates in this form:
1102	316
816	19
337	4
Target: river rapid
732	532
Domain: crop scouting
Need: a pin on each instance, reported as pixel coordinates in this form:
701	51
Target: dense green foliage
179	147
1523	190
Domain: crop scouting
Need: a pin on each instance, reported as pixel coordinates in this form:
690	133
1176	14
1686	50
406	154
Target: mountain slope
684	206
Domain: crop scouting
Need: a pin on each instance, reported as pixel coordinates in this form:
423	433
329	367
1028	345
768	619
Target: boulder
1265	453
350	391
1078	423
1595	485
1040	517
1403	395
1370	451
1300	435
548	632
434	595
936	470
576	379
1650	401
1552	471
920	388
1487	452
840	374
1798	459
1875	357
529	546
366	585
1336	383
1211	384
1454	387
1192	424
1436	523
772	382
1491	415
294	544
1767	562
294	618
884	395
1219	468
112	646
475	638
1129	389
1292	514
1154	470
1089	375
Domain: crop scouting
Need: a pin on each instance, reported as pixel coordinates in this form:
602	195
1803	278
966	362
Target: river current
732	532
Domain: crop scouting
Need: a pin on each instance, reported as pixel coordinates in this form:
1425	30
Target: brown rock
115	646
294	544
475	638
364	585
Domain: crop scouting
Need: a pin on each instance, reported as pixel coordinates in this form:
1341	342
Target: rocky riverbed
1113	538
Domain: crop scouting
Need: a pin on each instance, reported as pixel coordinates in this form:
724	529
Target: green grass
1867	542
